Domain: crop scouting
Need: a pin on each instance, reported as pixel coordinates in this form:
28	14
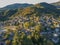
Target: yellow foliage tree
26	25
37	28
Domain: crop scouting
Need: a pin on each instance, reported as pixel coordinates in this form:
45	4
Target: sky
8	2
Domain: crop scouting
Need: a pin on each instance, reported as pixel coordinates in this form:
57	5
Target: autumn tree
26	25
16	39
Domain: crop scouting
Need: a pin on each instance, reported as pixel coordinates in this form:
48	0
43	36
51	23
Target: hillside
57	4
27	9
5	12
37	24
16	5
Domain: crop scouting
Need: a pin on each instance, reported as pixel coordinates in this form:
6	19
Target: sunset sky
7	2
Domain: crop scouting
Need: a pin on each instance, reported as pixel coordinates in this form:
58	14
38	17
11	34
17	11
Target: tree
8	42
26	25
49	42
16	39
38	28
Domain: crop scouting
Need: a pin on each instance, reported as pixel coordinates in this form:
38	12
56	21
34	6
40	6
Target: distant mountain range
57	4
16	5
29	9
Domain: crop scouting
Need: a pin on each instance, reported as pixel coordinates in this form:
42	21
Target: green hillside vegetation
24	26
37	10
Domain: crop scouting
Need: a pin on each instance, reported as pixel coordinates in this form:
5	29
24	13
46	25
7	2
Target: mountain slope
10	10
57	4
16	5
37	9
47	9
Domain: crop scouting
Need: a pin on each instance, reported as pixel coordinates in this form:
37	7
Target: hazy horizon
4	3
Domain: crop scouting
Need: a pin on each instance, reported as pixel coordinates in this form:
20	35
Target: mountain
15	10
57	4
16	5
40	8
10	10
31	24
46	5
